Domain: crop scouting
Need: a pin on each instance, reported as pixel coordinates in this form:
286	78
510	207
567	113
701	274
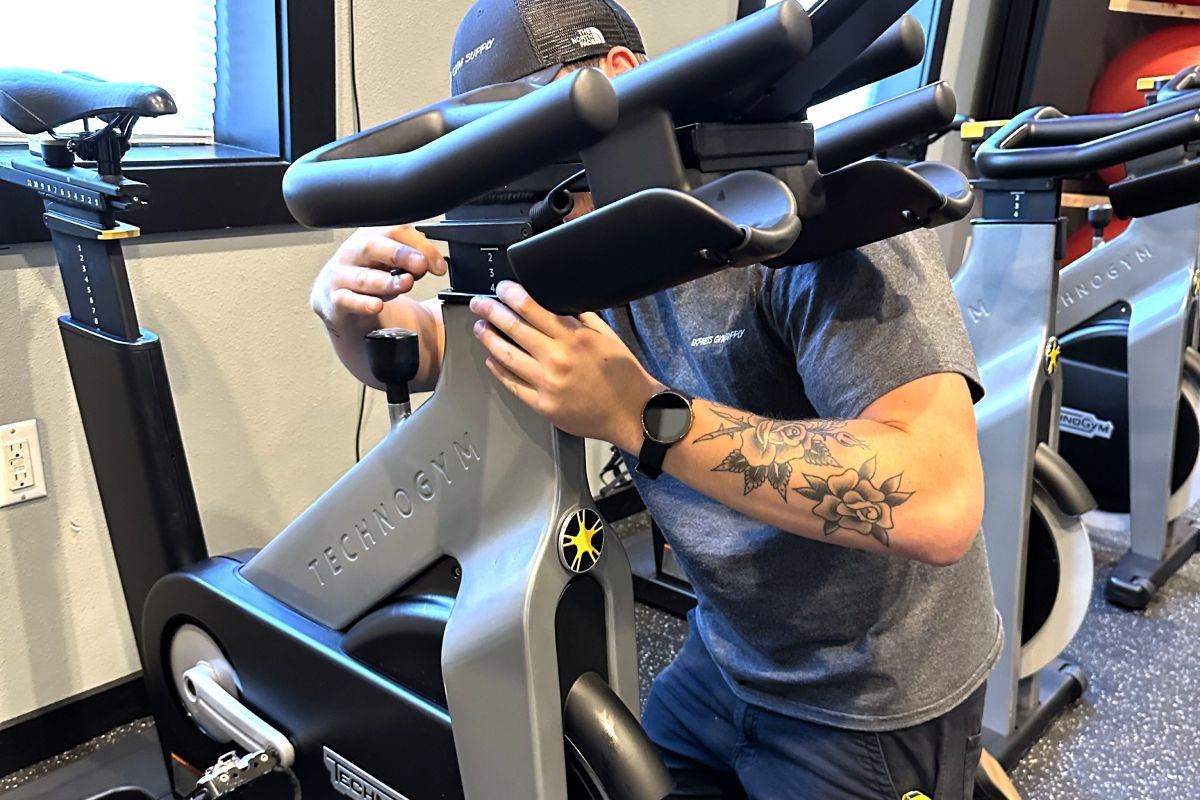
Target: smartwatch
666	420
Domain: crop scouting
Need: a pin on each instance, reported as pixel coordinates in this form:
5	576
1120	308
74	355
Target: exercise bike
449	620
1038	550
1131	397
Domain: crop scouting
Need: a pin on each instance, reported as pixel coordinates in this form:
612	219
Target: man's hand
575	372
357	292
356	282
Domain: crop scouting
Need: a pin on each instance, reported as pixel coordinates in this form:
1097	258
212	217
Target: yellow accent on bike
978	130
123	231
1053	353
1151	83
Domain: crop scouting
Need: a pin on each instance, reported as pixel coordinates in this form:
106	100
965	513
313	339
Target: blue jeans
718	746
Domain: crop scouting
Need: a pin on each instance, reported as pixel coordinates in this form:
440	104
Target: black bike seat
35	100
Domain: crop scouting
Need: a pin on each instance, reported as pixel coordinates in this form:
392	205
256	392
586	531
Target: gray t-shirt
821	632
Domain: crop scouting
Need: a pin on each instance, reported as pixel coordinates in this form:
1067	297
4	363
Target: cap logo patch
588	37
471	56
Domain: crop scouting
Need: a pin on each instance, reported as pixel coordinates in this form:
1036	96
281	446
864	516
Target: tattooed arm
903	478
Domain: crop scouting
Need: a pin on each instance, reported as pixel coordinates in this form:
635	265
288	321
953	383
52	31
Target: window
930	14
253	81
169	44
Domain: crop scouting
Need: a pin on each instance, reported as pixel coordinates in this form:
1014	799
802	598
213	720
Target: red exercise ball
1080	242
1164	52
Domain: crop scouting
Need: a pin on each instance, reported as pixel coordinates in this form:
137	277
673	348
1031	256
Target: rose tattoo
851	501
768	448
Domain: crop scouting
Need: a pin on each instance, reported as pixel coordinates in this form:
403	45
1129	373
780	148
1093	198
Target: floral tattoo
768	448
852	502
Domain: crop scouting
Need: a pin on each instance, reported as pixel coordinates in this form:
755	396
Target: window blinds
170	43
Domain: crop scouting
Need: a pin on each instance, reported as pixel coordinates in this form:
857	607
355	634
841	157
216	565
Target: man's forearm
855	483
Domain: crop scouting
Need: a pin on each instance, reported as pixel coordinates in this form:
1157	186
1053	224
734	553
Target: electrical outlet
21	475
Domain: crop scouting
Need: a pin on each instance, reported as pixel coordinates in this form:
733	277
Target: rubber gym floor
1132	735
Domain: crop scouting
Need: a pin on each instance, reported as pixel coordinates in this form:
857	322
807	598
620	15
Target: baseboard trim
48	731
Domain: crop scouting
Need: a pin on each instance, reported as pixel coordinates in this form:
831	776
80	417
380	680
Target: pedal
231	773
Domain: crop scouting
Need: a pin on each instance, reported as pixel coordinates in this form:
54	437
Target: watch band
651	457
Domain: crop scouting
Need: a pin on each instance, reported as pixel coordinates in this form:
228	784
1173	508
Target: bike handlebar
1184	81
884	125
901	47
446	154
716	77
1014	150
1085	128
841	31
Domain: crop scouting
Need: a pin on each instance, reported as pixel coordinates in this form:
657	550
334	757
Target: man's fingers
380	251
523	391
374	282
348	302
591	319
411	237
512	358
508	322
515	297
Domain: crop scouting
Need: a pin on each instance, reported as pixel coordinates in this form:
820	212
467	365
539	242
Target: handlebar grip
422	165
1002	156
716	76
902	46
885	125
1088	127
1156	192
841	31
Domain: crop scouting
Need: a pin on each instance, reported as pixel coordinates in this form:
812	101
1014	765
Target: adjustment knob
1099	218
394	355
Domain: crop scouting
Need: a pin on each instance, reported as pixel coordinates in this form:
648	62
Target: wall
267	413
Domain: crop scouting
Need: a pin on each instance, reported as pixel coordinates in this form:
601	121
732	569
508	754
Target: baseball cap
500	41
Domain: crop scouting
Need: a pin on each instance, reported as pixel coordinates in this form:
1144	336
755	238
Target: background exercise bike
1126	313
1038	550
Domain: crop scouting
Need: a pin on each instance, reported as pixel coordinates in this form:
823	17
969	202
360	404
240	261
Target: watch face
668	417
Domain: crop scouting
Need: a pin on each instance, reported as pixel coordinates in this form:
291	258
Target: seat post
120	377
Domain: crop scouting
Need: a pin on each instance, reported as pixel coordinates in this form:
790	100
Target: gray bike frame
1151	267
476	475
1009	313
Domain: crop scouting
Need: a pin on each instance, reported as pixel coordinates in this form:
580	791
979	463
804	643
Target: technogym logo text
1084	423
351	781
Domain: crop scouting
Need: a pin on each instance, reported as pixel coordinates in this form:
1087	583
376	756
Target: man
820	478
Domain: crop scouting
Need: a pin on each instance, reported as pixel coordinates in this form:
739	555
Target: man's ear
619	59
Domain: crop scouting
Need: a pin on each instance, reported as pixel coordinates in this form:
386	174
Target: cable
362	407
356	112
297	791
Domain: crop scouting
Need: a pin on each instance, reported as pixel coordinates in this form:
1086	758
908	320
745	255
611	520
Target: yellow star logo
1053	352
582	540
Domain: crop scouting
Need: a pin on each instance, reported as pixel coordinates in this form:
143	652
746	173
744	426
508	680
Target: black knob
394	355
1099	218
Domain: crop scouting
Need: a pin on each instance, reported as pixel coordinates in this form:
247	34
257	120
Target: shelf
1085	201
1155	9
